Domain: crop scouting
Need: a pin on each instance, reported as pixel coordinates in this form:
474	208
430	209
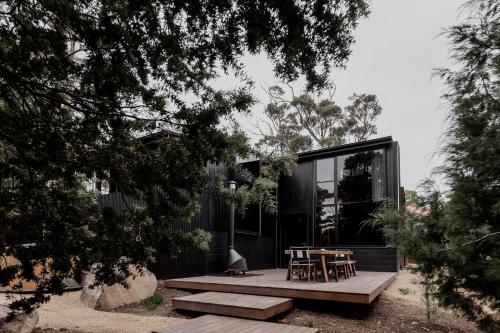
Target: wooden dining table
322	254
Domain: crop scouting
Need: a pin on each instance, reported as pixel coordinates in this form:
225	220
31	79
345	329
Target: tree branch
471	242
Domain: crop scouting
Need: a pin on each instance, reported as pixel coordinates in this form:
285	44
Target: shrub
404	291
152	302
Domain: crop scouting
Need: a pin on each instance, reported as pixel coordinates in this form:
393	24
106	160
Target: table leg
289	271
325	271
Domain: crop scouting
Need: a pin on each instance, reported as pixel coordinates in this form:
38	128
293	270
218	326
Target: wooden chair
300	261
351	263
338	266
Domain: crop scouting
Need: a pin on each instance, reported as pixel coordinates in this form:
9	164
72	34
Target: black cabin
322	204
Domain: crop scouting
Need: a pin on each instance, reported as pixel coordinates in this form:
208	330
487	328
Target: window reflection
326	225
325	193
361	179
360	188
324	170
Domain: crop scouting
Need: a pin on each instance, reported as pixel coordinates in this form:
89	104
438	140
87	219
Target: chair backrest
299	253
342	256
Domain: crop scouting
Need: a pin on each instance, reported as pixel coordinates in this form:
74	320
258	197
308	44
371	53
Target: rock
140	286
19	322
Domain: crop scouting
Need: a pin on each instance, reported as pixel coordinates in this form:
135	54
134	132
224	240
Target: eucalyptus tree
300	122
361	115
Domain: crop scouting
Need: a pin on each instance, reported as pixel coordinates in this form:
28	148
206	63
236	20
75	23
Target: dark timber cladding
322	204
234	305
363	288
218	324
331	192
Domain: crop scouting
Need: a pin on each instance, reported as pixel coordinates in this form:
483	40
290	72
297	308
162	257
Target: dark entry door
293	232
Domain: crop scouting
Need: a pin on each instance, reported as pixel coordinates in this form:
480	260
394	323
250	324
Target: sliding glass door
349	187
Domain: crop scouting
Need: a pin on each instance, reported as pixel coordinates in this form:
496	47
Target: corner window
361	187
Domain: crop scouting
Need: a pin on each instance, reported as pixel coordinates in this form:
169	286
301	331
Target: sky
396	49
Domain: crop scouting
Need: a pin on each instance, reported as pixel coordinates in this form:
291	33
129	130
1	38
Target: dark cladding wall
190	262
376	259
294	225
295	200
259	250
297	206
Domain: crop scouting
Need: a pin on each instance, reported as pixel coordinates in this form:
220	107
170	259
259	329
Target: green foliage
472	167
322	120
81	80
455	242
404	291
411	197
294	124
152	302
429	236
361	115
260	189
283	130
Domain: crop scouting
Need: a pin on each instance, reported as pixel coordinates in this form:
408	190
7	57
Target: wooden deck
218	324
363	288
235	305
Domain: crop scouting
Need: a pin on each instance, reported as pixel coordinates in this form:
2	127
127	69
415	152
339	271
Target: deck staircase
218	324
234	305
224	307
241	304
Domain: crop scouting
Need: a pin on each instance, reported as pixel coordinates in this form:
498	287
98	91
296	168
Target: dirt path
406	288
68	313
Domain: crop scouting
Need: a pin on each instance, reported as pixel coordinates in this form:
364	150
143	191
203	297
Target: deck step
218	324
235	305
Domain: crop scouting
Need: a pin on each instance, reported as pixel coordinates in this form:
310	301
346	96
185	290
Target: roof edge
344	147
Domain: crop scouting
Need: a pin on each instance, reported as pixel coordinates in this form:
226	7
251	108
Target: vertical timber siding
296	195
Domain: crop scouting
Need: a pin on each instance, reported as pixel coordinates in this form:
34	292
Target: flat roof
335	150
310	154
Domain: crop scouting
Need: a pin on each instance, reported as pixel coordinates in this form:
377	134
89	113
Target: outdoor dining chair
301	262
339	265
351	264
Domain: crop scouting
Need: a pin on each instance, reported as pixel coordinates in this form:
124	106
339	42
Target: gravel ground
394	311
50	330
384	315
164	309
68	314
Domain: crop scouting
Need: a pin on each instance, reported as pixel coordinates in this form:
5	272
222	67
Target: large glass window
250	221
361	187
325	226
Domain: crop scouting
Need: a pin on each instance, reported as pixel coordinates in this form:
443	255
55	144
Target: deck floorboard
217	324
362	288
235	305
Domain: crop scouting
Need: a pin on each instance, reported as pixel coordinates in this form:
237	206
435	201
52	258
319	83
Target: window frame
317	205
259	226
